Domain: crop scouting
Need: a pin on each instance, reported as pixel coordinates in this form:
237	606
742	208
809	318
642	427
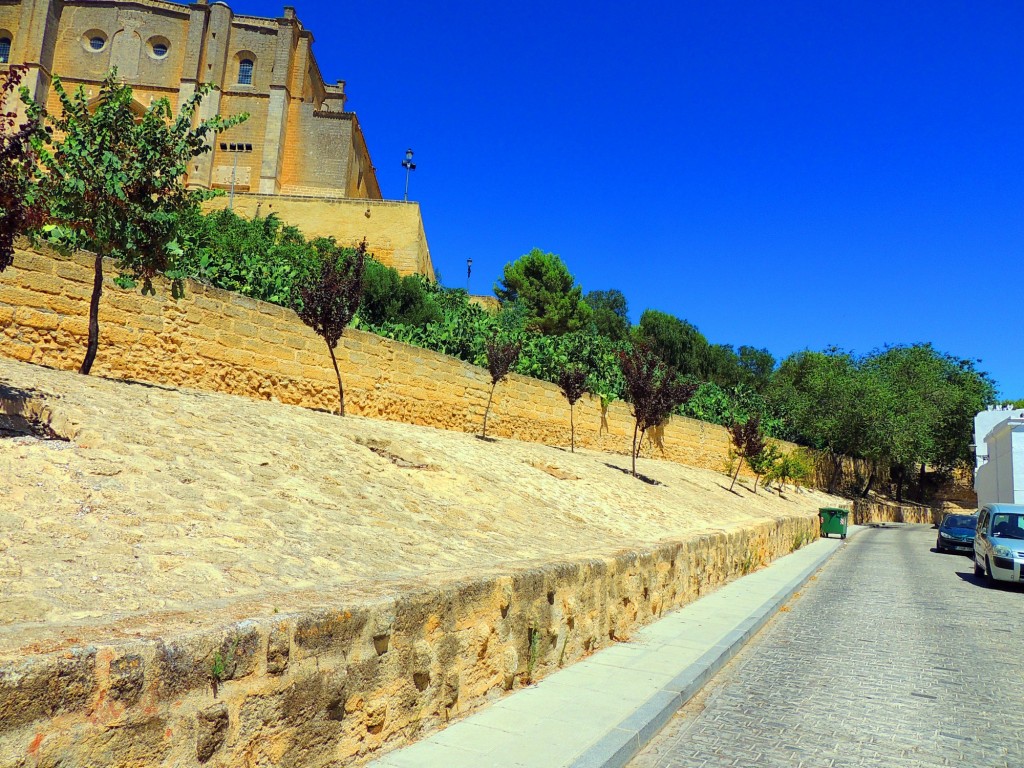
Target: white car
999	542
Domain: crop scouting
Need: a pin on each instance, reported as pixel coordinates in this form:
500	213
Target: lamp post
409	165
469	271
236	150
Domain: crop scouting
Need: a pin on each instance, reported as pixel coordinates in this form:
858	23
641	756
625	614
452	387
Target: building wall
296	143
393	229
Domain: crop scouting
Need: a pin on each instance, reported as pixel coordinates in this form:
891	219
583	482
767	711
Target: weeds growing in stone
330	299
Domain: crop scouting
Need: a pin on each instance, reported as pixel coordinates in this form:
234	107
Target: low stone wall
341	685
865	512
215	340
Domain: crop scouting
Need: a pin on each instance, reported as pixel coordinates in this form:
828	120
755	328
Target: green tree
114	183
822	394
675	341
543	286
611	313
758	366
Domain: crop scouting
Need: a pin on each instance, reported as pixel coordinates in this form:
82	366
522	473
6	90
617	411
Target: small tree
765	462
114	181
748	443
501	356
330	298
572	381
18	213
653	390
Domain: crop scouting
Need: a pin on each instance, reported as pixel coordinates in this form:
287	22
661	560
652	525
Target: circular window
158	47
94	41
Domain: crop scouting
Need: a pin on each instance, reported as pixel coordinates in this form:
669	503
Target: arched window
5	50
245	67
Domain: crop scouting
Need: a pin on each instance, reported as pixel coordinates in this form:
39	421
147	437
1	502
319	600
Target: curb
622	743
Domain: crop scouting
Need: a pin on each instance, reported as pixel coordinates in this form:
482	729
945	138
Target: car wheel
938	547
978	570
988	573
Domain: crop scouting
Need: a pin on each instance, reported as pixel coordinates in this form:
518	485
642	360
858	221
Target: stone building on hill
300	154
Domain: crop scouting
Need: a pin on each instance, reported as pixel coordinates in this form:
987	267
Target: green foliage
260	257
611	313
113	181
794	468
387	297
543	286
675	341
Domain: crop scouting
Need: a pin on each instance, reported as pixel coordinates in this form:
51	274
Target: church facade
298	140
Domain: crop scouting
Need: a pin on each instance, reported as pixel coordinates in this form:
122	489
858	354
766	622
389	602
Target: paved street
893	656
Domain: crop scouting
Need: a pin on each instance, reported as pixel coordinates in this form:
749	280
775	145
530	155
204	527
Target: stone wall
393	229
865	512
339	686
214	340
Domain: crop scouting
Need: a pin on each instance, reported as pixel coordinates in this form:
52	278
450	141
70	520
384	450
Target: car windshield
960	521
1008	526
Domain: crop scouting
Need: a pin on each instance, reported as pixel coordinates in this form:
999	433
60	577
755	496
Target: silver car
999	542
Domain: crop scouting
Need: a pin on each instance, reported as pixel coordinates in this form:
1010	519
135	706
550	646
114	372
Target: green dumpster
833	520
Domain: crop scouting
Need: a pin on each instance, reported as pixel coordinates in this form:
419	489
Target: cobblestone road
893	656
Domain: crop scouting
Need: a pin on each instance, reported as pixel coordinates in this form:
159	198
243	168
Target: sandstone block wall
340	686
214	340
393	229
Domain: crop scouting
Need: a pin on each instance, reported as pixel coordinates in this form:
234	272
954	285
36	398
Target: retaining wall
215	340
340	686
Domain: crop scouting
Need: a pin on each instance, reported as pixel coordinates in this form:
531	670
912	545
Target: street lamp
409	165
236	150
469	271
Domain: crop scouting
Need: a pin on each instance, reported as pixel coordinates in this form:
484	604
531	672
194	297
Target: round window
95	40
158	47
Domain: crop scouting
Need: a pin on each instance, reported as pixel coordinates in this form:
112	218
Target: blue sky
782	174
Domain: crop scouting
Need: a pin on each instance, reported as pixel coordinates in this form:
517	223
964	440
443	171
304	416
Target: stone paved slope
168	505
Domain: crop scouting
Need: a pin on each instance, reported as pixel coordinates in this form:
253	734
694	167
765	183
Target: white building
999	456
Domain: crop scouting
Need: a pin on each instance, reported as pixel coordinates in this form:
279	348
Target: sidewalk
601	711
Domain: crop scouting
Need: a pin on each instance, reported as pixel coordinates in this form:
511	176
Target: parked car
956	532
999	542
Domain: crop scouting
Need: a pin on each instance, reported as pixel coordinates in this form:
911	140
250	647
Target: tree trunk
636	426
488	408
920	484
899	483
341	390
572	431
738	468
871	479
94	316
837	472
756	478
